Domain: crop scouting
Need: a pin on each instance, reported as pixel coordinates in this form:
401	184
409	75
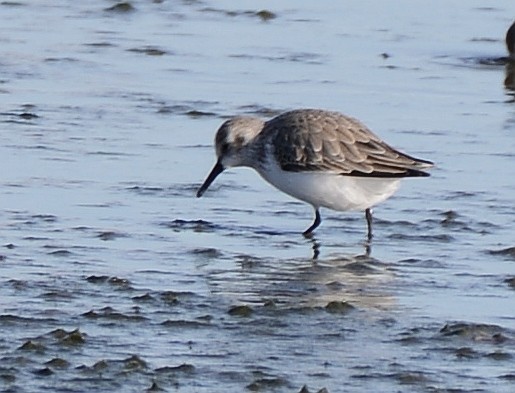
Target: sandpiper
323	158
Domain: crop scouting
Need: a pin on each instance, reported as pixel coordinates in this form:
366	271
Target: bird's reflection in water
357	279
296	284
316	245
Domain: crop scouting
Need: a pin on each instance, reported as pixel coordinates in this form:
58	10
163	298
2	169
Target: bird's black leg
309	232
368	215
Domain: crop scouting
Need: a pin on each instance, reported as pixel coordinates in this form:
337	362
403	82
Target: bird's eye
224	148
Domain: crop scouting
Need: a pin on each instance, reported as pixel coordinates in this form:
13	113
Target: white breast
330	190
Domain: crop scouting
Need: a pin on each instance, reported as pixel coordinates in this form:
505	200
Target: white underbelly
331	190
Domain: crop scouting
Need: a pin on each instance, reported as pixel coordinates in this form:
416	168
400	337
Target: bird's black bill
217	169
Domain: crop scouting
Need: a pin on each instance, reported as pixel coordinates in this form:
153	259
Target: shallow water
114	277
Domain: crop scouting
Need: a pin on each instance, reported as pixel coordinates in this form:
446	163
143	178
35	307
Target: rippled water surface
114	277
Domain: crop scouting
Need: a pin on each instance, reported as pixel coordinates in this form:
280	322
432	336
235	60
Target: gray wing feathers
312	140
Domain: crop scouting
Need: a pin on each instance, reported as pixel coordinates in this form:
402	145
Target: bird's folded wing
340	145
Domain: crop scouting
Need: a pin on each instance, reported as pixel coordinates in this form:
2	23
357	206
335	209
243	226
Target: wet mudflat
114	277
